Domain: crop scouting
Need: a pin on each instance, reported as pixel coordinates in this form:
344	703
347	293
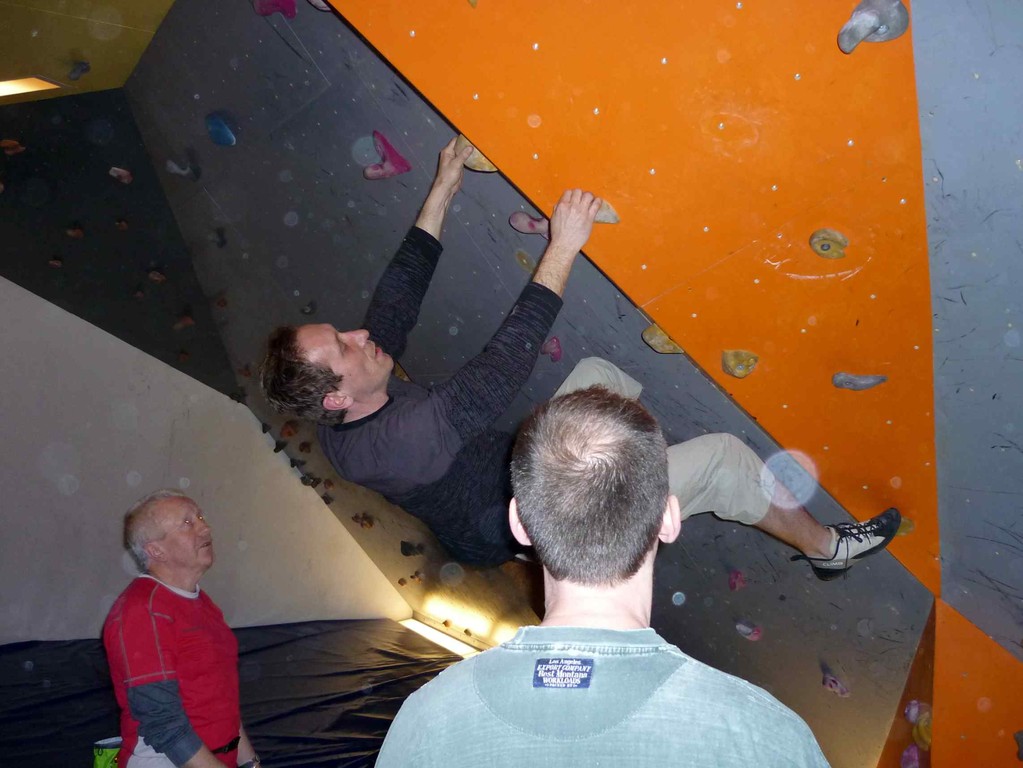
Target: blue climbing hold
219	130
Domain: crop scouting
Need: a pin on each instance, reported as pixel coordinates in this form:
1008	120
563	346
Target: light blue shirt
567	696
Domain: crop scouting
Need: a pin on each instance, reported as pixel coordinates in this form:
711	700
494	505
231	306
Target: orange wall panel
724	134
977	702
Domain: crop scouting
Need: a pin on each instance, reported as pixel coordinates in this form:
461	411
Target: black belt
231	746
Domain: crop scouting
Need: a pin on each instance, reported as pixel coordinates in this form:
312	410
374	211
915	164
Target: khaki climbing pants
712	473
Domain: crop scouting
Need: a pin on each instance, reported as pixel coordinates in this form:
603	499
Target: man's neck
623	606
186	582
368	407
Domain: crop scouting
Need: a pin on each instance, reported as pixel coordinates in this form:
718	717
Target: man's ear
337	401
671	525
154	551
518	531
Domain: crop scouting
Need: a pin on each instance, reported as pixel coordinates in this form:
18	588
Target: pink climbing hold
552	347
392	163
736	581
122	175
833	684
529	225
269	7
750	631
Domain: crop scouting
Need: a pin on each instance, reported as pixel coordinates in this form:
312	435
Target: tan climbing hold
289	428
905	527
477	161
738	362
607	214
829	243
660	342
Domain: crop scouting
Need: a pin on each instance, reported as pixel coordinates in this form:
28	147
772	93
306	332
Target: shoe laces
858	531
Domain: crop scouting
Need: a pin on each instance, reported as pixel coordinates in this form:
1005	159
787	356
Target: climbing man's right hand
573	220
449	167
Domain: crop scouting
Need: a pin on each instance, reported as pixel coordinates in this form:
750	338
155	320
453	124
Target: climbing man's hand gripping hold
571	225
445	184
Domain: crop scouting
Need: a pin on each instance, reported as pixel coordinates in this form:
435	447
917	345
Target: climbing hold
221	302
266	427
56	262
865	627
476	161
75	231
736	580
914	709
11	147
738	362
185	321
2	187
408	549
221	237
139	293
1018	736
309	308
402	582
525	261
122	225
189	170
679	598
122	175
874	21
279	445
289	428
467	632
750	631
328	484
922	730
157	276
607	214
239	395
857	383
269	7
529	225
552	347
833	684
78	69
391	162
327	499
245	371
311	481
183	358
417	577
905	527
217	126
473	3
305	447
320	5
660	342
910	757
297	463
829	243
364	519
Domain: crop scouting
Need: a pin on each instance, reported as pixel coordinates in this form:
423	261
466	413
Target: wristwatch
253	763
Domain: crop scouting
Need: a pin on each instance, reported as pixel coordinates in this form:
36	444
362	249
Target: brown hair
292	384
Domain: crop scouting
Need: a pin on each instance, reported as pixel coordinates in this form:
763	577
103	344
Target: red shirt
153	634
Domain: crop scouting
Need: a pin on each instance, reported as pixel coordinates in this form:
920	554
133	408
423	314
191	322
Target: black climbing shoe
855	541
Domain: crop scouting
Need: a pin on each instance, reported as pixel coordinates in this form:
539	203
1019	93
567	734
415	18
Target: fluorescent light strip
445	641
25	85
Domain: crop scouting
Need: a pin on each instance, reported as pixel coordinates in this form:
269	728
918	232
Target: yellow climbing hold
659	341
922	731
738	362
525	261
476	161
829	243
607	214
905	527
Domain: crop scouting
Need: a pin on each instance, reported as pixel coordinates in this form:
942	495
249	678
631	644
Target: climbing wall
308	236
725	137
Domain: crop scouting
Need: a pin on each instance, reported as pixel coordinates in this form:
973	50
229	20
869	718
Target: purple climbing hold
915	710
269	7
552	347
78	69
836	686
910	757
522	222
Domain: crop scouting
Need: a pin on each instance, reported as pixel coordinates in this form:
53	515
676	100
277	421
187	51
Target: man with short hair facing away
593	684
173	659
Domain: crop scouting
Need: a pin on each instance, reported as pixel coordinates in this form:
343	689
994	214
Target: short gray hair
141	527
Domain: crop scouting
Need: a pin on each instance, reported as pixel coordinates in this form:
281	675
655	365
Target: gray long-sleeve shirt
433	451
